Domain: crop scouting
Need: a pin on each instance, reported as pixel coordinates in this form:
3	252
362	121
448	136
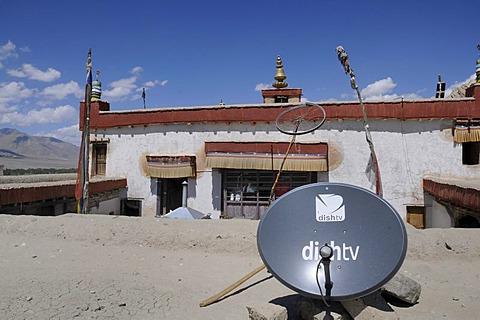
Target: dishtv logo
329	208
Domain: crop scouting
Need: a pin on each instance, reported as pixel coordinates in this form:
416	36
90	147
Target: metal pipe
184	194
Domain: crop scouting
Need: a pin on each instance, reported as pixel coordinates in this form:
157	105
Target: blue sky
191	53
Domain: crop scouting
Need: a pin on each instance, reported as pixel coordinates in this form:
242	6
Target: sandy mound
144	268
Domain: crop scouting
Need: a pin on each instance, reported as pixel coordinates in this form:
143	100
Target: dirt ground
107	267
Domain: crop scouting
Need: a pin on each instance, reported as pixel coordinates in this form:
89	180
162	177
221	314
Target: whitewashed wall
406	151
436	215
111	206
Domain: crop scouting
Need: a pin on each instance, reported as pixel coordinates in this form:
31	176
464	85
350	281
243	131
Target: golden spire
280	75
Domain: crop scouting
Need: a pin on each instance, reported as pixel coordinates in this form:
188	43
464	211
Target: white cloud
8	51
70	134
25	49
126	88
121	88
151	84
262	86
381	91
62	90
394	96
412	96
7	108
378	88
124	83
14	91
45	115
384	97
1	65
29	71
136	70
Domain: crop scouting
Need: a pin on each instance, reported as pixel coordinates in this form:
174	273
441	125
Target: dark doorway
131	207
468	222
471	153
169	194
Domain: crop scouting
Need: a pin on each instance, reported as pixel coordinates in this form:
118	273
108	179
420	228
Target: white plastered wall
406	151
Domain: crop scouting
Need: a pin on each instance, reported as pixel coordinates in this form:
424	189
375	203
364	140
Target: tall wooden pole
88	99
343	57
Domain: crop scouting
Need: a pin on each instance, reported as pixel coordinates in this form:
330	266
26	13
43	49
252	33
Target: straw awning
170	166
267	156
466	131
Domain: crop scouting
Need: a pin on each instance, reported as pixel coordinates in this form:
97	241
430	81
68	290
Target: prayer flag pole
373	162
83	176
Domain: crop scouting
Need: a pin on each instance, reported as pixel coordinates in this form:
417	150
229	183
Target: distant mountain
16	144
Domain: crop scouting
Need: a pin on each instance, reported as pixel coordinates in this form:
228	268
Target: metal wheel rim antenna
280	120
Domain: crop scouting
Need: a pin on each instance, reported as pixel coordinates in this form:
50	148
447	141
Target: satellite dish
360	236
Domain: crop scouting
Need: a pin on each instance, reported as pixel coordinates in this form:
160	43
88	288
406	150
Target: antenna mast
88	98
343	57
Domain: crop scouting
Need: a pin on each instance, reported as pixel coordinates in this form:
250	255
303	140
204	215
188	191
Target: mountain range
19	145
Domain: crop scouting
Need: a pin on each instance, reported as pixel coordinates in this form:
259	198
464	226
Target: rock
267	311
370	307
459	91
83	307
403	288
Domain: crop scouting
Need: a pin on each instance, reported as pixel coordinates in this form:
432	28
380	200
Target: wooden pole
88	99
272	191
230	288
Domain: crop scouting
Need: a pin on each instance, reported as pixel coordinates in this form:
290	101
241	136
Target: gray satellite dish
363	233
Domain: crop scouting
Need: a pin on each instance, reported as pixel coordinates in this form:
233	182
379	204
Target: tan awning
267	156
170	166
466	130
466	134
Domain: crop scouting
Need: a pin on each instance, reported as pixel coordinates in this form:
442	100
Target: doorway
169	194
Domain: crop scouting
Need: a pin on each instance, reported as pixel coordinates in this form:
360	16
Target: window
281	99
255	185
471	153
246	193
99	159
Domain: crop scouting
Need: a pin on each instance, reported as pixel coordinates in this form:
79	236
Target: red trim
462	197
281	92
266	147
106	185
47	192
266	156
171	159
403	110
